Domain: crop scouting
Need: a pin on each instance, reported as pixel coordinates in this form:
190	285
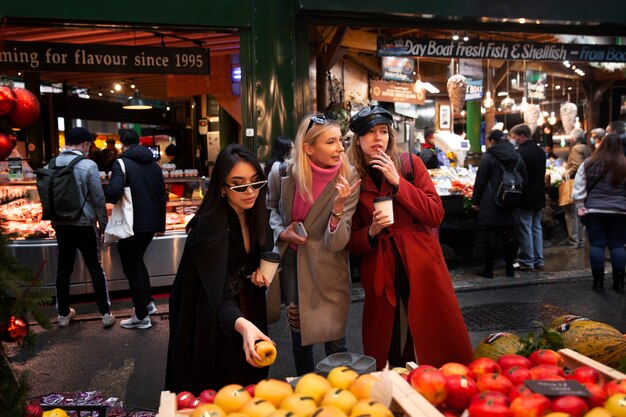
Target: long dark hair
282	148
609	158
213	200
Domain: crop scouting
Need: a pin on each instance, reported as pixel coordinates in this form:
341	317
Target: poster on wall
536	84
472	69
398	69
395	92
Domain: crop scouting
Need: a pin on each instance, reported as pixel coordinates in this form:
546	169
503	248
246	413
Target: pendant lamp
137	103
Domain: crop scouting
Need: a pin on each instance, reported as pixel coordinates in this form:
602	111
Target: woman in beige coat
317	187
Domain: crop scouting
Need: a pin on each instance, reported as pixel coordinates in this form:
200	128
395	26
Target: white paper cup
269	264
385	204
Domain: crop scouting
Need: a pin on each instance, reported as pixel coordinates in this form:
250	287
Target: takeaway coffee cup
385	204
269	264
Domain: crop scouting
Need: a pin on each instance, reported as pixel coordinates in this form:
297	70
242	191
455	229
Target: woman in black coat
499	222
216	313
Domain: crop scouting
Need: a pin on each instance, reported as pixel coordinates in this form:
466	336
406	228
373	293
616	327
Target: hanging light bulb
523	105
577	123
541	120
507	103
552	119
488	101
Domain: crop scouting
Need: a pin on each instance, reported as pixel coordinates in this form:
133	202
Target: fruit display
503	387
343	394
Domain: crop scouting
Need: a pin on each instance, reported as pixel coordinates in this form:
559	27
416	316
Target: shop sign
48	56
398	69
536	84
393	92
472	69
488	49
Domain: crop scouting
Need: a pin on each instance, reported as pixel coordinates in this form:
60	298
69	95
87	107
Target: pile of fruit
497	388
343	393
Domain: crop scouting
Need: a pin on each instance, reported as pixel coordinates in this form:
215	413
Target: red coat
435	319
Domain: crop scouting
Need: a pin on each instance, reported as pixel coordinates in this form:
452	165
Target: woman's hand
384	164
250	334
582	211
259	279
344	190
289	235
379	222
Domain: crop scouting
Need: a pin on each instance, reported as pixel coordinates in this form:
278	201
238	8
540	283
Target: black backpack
58	191
509	193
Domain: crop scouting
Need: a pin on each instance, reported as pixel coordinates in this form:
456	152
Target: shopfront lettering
47	56
479	49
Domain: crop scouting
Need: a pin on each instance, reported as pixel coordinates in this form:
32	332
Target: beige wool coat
322	262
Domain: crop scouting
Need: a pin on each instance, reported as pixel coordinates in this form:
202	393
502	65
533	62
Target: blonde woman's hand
250	334
384	164
379	222
344	190
289	235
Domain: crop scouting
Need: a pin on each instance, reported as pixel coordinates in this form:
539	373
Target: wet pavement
129	364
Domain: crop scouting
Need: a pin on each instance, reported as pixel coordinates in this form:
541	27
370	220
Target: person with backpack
429	153
410	310
82	231
530	232
499	218
145	179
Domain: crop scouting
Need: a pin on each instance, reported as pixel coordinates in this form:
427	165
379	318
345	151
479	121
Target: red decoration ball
16	330
7	143
33	410
7	100
26	109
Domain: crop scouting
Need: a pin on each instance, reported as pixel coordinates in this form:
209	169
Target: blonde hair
357	158
299	160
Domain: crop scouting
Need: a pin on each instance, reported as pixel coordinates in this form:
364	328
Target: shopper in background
281	149
500	223
171	154
429	151
410	310
618	127
145	179
82	234
319	189
216	313
597	135
530	232
109	155
577	154
600	198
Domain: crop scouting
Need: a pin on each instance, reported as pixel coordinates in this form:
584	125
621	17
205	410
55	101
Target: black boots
618	281
598	279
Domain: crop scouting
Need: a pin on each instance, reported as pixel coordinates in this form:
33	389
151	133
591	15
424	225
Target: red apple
548	356
585	373
494	396
508	361
7	143
598	395
454	368
481	366
250	388
545	370
488	408
26	109
207	396
617	386
494	382
517	374
460	390
519	391
430	382
33	410
7	100
532	405
570	404
184	399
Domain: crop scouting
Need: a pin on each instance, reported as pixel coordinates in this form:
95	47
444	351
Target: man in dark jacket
145	179
530	233
579	152
429	151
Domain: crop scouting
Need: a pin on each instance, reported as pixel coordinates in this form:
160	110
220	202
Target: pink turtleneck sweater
321	177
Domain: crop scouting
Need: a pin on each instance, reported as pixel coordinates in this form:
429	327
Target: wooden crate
407	401
573	360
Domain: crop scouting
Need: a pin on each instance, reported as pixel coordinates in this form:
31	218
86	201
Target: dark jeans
131	252
494	236
303	355
84	239
606	230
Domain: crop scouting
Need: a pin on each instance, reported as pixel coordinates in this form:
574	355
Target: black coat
205	352
534	194
145	179
490	173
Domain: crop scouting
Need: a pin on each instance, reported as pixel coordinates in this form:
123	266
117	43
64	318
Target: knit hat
368	117
428	132
78	135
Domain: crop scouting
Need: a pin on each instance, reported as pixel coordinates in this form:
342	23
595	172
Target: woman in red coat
410	310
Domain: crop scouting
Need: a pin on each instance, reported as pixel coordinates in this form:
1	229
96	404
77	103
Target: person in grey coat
319	189
82	234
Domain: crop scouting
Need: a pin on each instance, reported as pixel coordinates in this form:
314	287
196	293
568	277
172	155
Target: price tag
558	388
186	210
15	169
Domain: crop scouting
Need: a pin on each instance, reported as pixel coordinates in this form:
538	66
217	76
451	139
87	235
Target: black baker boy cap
368	117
